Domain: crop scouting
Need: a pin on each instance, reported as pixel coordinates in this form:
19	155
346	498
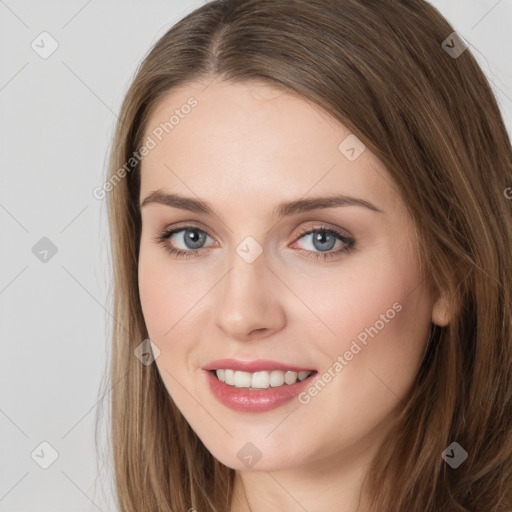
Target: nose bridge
247	300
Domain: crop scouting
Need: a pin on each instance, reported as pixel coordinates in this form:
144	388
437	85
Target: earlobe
441	313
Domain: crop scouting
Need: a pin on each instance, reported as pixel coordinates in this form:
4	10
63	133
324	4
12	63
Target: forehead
257	141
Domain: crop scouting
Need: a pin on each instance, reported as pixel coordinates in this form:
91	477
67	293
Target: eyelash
164	236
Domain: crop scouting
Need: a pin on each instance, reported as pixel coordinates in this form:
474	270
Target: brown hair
380	69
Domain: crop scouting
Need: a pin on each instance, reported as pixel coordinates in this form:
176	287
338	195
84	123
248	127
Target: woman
311	240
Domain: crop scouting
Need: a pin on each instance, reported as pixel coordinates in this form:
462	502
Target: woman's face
266	288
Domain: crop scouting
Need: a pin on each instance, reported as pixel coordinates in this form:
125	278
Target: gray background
57	118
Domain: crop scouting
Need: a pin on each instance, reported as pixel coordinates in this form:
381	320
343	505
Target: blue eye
323	241
193	236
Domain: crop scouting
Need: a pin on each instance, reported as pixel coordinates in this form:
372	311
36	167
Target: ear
441	312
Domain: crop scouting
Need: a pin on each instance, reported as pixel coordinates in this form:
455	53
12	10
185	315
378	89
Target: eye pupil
320	237
194	236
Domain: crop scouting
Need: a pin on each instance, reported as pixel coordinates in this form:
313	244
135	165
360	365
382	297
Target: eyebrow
283	209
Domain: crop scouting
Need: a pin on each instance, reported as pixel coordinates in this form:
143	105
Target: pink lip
259	365
254	400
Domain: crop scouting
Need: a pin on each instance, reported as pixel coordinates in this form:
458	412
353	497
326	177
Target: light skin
245	149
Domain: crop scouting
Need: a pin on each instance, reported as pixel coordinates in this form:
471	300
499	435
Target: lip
254	400
258	365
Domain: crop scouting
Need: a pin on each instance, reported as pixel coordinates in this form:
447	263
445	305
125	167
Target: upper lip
257	365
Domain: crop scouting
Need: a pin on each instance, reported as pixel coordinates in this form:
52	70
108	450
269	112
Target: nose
249	300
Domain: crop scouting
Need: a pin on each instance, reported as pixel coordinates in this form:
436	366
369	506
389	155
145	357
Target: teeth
260	380
242	379
276	378
304	375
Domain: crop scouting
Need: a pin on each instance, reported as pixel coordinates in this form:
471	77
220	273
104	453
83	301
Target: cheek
379	314
168	295
155	296
162	298
164	292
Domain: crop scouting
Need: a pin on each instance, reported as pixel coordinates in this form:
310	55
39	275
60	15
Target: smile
262	379
256	386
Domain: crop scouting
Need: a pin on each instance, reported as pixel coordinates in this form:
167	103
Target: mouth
261	379
259	391
256	386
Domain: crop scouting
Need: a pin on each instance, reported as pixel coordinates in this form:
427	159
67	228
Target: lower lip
255	400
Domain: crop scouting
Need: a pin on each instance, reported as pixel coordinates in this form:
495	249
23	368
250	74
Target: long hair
381	68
